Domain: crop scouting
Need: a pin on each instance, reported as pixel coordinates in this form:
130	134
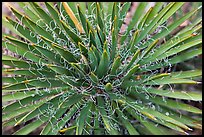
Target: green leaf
94	78
146	51
65	53
186	74
115	13
168	103
49	54
126	122
180	48
123	12
103	65
92	36
99	15
73	6
134	58
143	20
70	81
42	14
83	20
131	72
162	75
116	65
105	47
155	21
183	118
96	122
23	31
12	79
73	36
20	16
5	23
63	121
71	100
18	64
38	95
82	118
194	38
170	81
148	124
17	87
48	126
155	10
29	72
133	40
16	96
97	52
64	15
55	15
21	44
10	58
78	69
45	73
23	52
47	19
192	30
114	44
89	124
174	25
93	60
152	114
190	26
90	6
109	8
105	119
19	111
49	83
168	14
28	10
136	17
32	126
39	29
177	59
186	56
72	17
60	70
11	122
40	109
174	94
100	37
30	115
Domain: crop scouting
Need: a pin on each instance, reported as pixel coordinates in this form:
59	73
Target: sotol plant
74	72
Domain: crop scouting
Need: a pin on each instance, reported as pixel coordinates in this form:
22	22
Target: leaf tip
200	7
16	124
